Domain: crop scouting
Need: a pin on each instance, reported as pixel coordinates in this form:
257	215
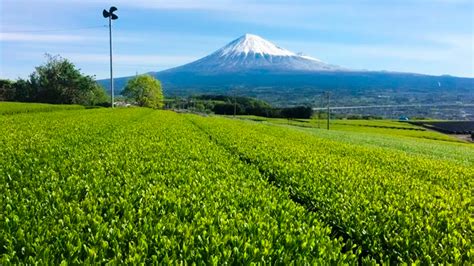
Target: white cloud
35	37
124	59
419	53
161	4
451	40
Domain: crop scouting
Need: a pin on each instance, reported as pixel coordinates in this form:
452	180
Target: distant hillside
256	67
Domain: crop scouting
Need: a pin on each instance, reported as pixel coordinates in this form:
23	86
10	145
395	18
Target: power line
55	30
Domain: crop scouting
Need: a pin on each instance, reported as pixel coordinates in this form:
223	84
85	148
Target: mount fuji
251	52
258	68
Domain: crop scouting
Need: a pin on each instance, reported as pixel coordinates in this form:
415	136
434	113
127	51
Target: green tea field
137	185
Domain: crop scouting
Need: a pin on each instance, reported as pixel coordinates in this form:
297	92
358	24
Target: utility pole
110	14
235	104
329	109
319	118
321	103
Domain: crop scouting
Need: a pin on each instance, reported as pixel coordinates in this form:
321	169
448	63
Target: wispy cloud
429	59
398	51
249	5
452	40
35	37
145	4
143	59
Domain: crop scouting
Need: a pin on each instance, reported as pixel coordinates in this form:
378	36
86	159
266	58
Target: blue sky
421	36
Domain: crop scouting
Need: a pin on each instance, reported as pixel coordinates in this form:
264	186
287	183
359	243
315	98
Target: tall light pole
111	16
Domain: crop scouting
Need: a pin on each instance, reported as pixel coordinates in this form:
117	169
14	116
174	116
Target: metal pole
235	104
329	111
321	101
111	70
319	118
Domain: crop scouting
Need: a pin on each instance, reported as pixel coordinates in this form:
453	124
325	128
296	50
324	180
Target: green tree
24	92
59	81
7	90
145	90
19	91
97	96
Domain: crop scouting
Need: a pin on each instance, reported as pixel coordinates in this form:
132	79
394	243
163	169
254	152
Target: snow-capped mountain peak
253	44
253	53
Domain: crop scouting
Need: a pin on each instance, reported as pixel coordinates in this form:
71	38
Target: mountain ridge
258	68
252	52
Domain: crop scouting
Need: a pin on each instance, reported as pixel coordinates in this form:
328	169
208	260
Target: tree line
59	81
240	105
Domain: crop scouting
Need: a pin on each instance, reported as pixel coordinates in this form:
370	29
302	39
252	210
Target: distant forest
240	105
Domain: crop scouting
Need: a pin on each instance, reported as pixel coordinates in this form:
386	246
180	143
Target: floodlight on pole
111	16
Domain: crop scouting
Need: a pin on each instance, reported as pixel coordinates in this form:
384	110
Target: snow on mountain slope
252	44
253	53
260	66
